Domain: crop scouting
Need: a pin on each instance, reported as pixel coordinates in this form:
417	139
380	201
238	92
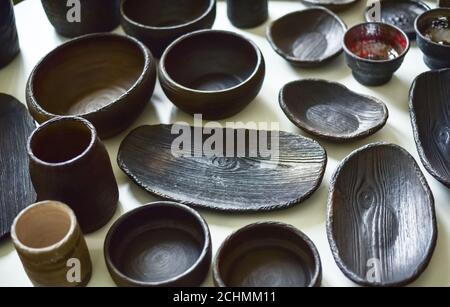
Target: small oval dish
283	170
331	111
267	254
162	244
381	221
429	106
331	4
105	78
211	72
374	51
307	38
157	23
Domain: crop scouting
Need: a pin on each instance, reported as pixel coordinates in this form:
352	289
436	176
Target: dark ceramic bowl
267	255
331	4
444	3
162	244
374	51
95	16
436	55
248	13
105	78
307	38
211	72
157	23
9	42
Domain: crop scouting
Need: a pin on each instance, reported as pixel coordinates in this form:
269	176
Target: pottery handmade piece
107	79
331	4
429	106
76	18
16	189
374	51
214	73
68	163
307	38
267	255
51	246
282	170
400	13
162	244
9	41
444	3
433	37
381	221
332	111
247	14
157	23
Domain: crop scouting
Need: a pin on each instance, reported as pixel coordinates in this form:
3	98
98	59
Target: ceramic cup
51	246
9	42
70	164
248	13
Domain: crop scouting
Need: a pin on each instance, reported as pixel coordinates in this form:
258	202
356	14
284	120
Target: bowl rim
206	244
147	67
420	34
210	8
165	75
329	2
353	55
317	268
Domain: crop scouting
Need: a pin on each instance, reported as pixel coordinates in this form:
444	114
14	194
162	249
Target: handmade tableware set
380	205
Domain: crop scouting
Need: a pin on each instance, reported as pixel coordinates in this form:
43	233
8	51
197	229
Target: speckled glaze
9	41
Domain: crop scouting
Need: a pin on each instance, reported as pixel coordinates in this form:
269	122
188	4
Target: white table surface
37	38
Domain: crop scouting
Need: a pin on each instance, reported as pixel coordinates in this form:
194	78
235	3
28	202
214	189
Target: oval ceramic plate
430	116
250	180
332	111
381	221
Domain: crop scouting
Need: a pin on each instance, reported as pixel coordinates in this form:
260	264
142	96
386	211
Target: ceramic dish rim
417	2
419	32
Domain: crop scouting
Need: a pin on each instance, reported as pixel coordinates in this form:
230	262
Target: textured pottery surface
267	255
16	191
381	219
332	111
307	38
9	41
430	116
247	14
247	182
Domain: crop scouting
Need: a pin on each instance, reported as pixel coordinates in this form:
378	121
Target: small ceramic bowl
331	4
267	255
163	244
433	37
105	78
211	72
247	14
307	38
157	23
374	51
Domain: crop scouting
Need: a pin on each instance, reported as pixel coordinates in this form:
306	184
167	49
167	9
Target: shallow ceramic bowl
211	72
267	255
105	78
160	244
157	23
307	38
331	4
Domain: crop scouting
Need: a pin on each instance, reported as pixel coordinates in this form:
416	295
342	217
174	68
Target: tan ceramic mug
51	246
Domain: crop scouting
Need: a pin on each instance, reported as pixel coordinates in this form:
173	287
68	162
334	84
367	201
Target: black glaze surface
246	183
9	41
331	4
430	116
332	111
247	14
307	38
381	220
16	192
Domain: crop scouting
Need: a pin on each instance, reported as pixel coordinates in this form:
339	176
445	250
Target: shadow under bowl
157	23
162	244
105	78
211	72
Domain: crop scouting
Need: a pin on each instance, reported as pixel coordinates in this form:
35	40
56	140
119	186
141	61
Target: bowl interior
434	25
87	74
211	61
156	244
308	35
376	41
267	256
164	13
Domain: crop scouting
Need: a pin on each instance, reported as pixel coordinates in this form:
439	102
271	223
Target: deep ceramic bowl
211	72
163	244
9	41
105	78
436	55
157	23
247	14
374	51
